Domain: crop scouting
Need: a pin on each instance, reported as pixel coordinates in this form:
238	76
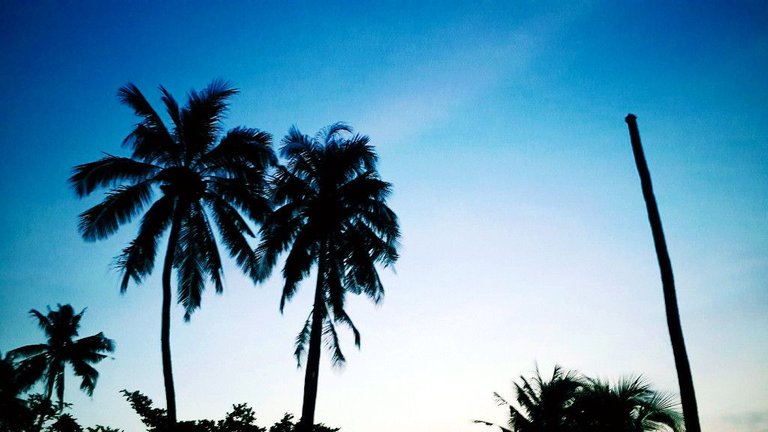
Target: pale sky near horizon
500	125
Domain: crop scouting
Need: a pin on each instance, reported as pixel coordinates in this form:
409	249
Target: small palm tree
202	178
542	404
570	402
47	361
629	406
331	212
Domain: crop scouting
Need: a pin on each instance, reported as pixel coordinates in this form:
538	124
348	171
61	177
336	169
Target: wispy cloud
751	421
433	89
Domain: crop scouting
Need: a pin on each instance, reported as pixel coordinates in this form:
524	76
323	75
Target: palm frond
93	348
342	317
332	344
42	321
302	339
119	207
189	260
332	132
59	377
150	139
109	171
87	374
27	351
173	110
233	229
294	144
201	118
131	96
241	150
138	258
277	233
249	198
298	263
287	187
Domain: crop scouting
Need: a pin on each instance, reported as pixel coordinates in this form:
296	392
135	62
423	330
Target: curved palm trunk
684	377
165	324
313	356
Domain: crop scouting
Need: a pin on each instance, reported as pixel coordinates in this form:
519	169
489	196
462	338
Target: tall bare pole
684	377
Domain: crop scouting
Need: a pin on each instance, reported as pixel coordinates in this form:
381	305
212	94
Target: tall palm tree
47	361
331	212
201	176
542	405
629	406
682	365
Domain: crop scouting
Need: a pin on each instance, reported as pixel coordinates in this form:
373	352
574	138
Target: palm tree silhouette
47	361
331	212
570	402
542	405
630	406
201	176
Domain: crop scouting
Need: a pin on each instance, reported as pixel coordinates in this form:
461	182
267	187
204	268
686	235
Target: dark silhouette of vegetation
14	411
202	177
241	418
65	423
331	211
684	376
569	402
45	362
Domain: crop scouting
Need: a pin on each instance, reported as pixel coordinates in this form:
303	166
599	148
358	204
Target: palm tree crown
570	402
331	211
202	178
631	405
46	361
194	173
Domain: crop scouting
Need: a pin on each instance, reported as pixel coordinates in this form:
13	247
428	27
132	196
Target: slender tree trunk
313	356
48	397
684	377
165	325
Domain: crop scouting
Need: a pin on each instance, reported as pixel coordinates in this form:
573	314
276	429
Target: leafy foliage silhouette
241	418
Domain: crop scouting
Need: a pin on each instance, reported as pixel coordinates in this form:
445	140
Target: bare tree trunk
165	325
684	377
313	356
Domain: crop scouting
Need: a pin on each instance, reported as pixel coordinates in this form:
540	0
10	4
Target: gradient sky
501	126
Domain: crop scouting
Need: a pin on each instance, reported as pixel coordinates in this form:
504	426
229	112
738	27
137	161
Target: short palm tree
202	178
331	211
542	405
629	406
570	402
47	361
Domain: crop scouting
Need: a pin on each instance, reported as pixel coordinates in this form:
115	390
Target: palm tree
542	405
570	402
629	406
47	361
201	176
331	212
682	365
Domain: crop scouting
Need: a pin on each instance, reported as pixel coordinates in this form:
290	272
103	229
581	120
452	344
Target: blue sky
500	125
